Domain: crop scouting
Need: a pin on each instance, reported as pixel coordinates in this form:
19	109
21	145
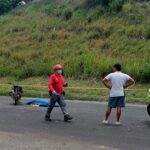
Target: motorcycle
148	109
16	94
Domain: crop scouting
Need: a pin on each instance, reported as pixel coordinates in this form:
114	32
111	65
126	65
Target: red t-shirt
56	83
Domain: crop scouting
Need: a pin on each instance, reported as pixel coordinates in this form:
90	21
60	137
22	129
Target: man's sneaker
67	118
105	122
117	123
47	118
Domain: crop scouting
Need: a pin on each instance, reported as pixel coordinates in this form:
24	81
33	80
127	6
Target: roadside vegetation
85	36
91	90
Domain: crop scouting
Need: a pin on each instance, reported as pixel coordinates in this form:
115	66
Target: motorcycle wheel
148	109
17	100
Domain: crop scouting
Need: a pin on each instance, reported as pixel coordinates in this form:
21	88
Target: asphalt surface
23	128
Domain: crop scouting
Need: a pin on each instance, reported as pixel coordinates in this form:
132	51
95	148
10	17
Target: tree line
6	5
91	3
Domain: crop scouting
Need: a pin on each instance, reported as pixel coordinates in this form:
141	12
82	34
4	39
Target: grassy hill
87	41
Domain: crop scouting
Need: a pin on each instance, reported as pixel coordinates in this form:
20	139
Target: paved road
23	128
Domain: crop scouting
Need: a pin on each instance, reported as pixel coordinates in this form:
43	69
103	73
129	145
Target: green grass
87	44
77	90
37	36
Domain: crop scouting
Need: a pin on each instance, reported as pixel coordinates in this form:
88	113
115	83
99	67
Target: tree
6	5
91	3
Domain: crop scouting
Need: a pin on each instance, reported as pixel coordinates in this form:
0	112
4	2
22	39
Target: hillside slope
86	41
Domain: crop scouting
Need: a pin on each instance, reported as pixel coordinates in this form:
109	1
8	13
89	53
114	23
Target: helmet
58	67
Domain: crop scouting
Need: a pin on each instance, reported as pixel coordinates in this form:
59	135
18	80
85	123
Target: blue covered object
39	102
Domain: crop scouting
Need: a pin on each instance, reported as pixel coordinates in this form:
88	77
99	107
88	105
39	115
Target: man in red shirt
56	86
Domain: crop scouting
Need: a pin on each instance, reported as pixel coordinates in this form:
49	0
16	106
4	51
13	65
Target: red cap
58	67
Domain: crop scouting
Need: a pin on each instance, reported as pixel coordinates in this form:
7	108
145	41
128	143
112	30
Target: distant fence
76	92
76	87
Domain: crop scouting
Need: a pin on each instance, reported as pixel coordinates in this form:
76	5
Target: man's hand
66	85
106	83
54	93
129	83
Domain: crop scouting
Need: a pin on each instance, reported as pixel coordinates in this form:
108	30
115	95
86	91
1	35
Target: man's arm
50	84
129	82
106	83
65	84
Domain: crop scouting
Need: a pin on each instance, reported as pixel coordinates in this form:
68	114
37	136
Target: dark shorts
116	102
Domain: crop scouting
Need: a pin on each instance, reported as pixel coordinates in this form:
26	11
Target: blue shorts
116	102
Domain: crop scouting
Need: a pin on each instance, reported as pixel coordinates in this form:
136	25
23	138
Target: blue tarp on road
39	102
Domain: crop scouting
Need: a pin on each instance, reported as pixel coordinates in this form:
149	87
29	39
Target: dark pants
60	100
116	102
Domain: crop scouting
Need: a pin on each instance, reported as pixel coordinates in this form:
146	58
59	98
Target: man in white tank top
116	82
